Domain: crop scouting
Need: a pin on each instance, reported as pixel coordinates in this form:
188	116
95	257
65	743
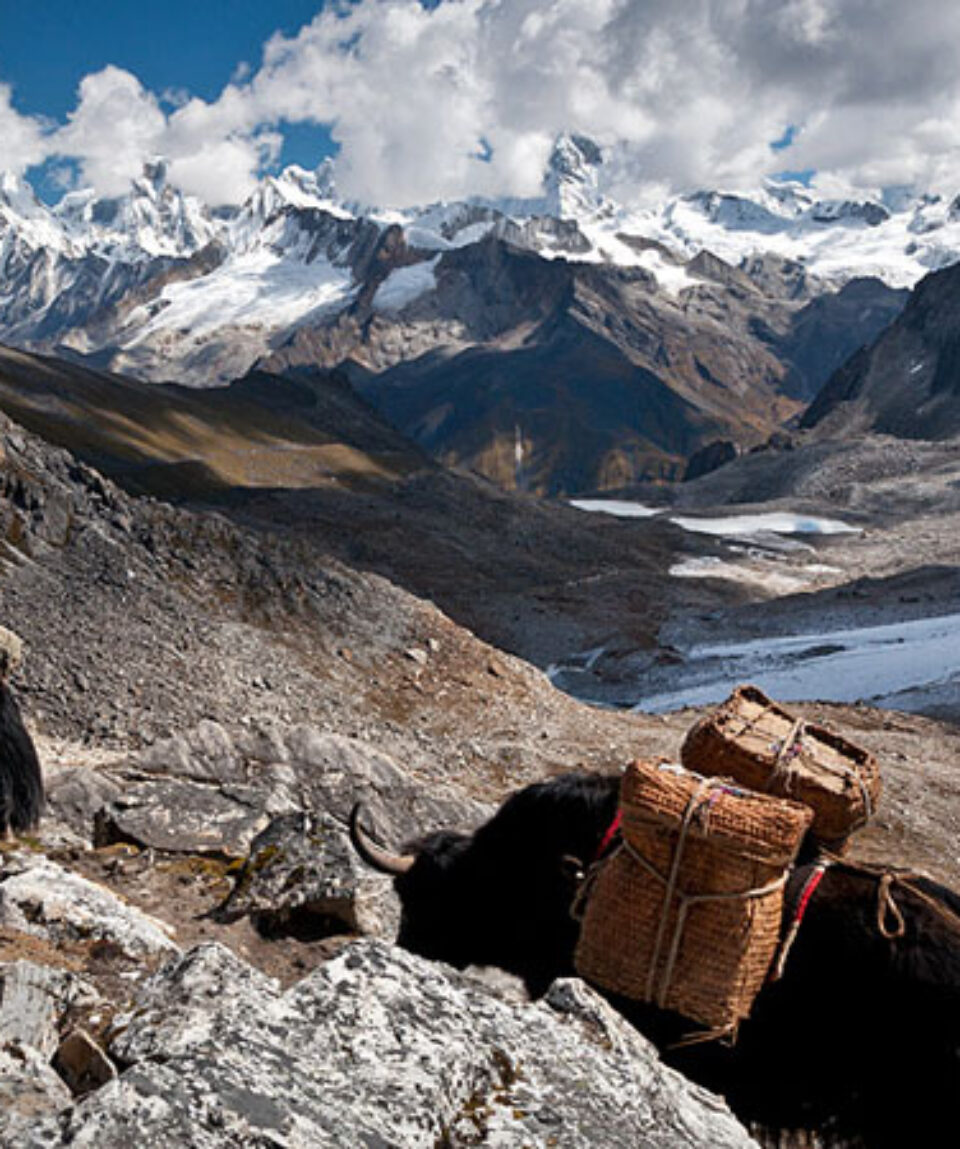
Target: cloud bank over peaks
469	96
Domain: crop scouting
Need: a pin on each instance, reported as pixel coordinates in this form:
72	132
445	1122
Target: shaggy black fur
859	1041
502	895
21	784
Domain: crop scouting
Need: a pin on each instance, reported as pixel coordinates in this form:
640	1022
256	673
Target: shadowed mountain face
178	442
558	377
567	412
306	457
907	383
830	328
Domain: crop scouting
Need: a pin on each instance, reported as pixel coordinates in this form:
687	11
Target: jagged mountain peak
154	218
156	284
572	156
295	187
18	196
571	182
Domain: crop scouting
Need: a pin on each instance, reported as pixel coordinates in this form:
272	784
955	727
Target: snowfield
258	288
405	284
877	664
623	510
725	526
773	522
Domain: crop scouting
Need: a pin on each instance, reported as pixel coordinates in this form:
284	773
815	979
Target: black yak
21	784
859	1040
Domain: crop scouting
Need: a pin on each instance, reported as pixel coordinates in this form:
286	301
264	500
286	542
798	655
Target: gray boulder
379	1048
29	1091
207	791
300	767
303	877
74	796
182	817
33	999
41	898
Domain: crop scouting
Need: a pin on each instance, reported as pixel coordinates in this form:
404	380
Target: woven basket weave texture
706	959
759	743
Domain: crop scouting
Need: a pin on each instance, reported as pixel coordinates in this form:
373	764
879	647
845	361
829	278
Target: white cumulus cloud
114	127
22	142
468	97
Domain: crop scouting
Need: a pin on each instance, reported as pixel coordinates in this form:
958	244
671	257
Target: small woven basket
761	745
686	912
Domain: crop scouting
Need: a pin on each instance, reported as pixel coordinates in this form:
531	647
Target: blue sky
47	47
422	100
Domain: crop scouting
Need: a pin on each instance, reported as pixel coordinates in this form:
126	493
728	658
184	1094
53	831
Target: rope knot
887	909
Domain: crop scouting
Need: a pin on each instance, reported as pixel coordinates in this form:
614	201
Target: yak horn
373	854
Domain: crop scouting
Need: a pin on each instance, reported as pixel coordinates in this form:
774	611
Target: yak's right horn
373	854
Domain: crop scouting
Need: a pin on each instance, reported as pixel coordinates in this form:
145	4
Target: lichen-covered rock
280	769
210	792
302	876
380	1048
182	817
33	998
74	795
41	898
29	1091
205	753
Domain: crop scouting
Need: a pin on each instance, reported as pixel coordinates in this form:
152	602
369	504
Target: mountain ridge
44	251
155	286
905	383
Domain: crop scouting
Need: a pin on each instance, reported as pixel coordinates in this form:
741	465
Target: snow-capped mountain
146	281
733	309
152	220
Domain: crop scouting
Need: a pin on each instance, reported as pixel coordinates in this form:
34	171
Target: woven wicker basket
686	912
761	745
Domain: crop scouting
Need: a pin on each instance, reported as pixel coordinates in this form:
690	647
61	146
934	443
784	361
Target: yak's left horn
373	854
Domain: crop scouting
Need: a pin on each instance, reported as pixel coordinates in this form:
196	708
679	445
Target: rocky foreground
190	952
125	1022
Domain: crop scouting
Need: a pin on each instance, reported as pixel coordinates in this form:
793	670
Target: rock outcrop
303	877
378	1048
39	897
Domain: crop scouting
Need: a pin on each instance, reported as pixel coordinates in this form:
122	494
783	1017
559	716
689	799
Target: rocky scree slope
141	619
305	456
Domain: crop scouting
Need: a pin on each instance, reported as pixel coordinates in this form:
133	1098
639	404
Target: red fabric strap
807	893
612	830
809	887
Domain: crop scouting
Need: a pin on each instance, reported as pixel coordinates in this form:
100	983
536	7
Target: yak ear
372	854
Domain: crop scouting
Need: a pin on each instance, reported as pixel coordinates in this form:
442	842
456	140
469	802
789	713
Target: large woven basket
686	912
760	744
